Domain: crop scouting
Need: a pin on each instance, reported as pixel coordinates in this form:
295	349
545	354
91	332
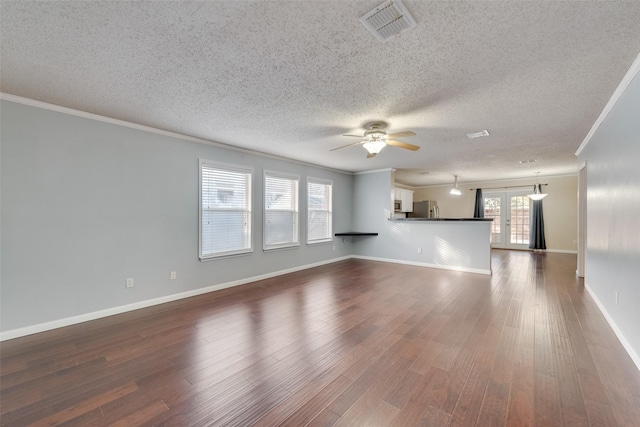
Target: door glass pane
520	220
492	210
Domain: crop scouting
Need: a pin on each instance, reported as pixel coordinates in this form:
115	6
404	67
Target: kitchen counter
439	219
462	244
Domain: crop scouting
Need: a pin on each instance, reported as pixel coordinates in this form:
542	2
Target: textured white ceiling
290	77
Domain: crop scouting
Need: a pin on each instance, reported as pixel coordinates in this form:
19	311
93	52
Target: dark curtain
536	230
478	209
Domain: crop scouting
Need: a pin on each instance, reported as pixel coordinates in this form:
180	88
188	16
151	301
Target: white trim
425	264
131	125
42	327
374	171
561	251
319	242
320	181
47	326
627	346
277	174
403	187
582	218
622	87
491	181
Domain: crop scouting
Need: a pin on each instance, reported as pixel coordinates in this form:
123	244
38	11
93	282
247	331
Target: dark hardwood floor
351	343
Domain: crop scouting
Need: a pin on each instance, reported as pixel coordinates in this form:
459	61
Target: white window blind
319	214
280	210
225	209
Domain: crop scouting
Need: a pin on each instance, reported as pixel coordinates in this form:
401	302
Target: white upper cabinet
406	199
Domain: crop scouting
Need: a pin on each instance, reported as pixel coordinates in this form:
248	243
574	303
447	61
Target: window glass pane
492	210
282	227
520	220
225	209
224	189
281	211
280	193
319	215
318	224
319	196
224	231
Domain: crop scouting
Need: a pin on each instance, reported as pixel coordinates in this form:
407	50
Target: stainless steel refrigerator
426	209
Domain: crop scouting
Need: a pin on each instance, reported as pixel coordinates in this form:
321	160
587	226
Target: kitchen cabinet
406	199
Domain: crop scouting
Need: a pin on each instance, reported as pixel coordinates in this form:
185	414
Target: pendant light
455	190
537	195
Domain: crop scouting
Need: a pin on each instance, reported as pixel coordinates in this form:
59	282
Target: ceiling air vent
388	20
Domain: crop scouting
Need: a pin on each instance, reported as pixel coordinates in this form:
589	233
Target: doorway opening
510	211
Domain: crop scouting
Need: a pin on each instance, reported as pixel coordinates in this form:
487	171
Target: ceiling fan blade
401	134
357	136
348	145
370	155
403	145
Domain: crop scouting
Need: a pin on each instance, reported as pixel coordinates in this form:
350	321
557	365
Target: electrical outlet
617	299
129	282
419	250
173	275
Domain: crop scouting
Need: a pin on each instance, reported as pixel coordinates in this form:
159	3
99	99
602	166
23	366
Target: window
492	210
520	220
280	210
318	210
225	209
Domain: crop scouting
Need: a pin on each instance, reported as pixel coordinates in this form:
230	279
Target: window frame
329	238
296	196
248	207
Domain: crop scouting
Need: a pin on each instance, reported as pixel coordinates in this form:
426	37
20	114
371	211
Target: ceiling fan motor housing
375	133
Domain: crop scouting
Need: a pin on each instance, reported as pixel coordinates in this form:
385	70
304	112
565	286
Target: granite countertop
439	219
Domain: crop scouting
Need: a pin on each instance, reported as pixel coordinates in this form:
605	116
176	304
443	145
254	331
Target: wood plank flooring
354	343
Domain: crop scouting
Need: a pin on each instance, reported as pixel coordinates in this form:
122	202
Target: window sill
279	248
225	256
319	242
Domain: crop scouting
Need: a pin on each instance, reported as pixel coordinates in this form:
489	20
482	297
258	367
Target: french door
510	214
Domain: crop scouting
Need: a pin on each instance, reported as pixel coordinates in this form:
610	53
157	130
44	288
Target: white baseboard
42	327
425	264
561	251
68	321
627	346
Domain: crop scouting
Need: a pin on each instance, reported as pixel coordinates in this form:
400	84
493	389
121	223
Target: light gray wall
459	245
612	262
86	204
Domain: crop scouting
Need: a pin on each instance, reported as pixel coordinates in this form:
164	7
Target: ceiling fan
375	139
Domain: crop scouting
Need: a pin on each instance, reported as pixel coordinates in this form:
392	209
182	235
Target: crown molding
622	87
91	116
374	171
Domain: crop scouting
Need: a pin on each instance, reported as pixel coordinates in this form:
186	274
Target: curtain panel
536	230
478	209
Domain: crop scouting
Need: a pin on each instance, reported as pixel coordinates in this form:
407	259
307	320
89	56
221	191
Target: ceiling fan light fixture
374	146
455	191
376	138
